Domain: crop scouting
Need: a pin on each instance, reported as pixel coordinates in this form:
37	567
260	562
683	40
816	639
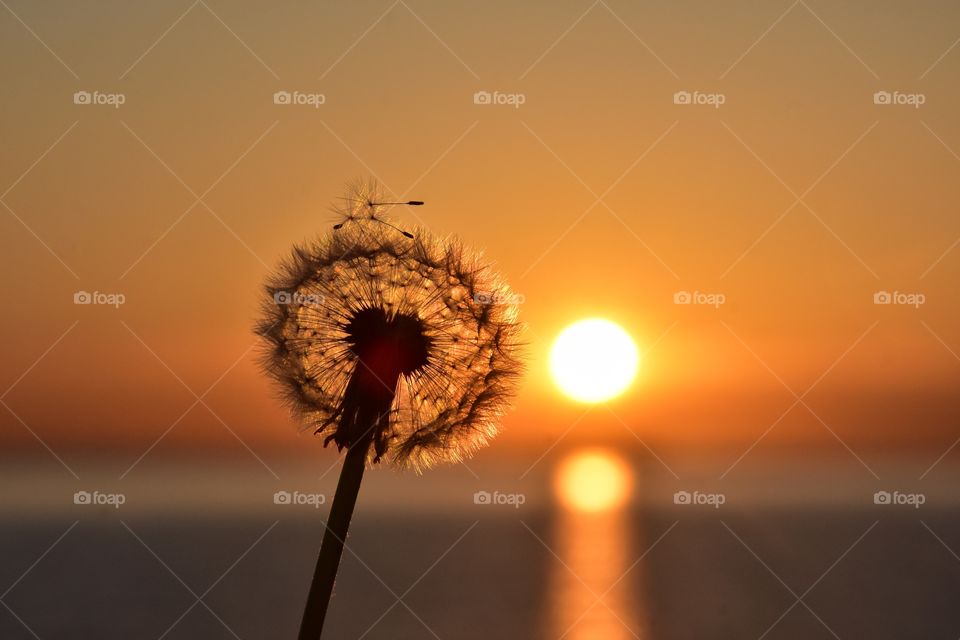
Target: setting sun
594	360
592	480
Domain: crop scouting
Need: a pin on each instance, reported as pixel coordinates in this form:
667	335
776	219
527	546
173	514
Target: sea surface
663	572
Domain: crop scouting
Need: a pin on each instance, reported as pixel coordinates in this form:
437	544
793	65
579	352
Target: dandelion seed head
422	321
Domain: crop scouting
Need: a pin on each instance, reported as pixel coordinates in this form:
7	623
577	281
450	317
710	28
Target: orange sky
797	199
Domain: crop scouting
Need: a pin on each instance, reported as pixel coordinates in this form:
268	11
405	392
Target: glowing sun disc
593	360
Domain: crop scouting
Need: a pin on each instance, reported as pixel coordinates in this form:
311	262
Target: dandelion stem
334	538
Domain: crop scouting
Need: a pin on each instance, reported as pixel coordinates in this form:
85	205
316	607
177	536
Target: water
522	574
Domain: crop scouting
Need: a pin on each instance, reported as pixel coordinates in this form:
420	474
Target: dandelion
398	347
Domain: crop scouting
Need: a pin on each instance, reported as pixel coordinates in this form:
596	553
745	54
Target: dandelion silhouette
396	346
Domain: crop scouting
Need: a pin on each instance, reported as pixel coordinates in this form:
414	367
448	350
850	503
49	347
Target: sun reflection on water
591	589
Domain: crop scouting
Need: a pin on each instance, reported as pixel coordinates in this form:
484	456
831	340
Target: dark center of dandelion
387	346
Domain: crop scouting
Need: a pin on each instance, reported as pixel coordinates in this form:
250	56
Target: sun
593	480
594	360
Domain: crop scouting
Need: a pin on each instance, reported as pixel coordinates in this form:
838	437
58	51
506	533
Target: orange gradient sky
797	200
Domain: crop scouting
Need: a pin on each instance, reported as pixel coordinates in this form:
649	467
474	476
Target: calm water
526	574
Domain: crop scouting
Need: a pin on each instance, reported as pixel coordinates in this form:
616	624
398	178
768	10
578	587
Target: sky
786	189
